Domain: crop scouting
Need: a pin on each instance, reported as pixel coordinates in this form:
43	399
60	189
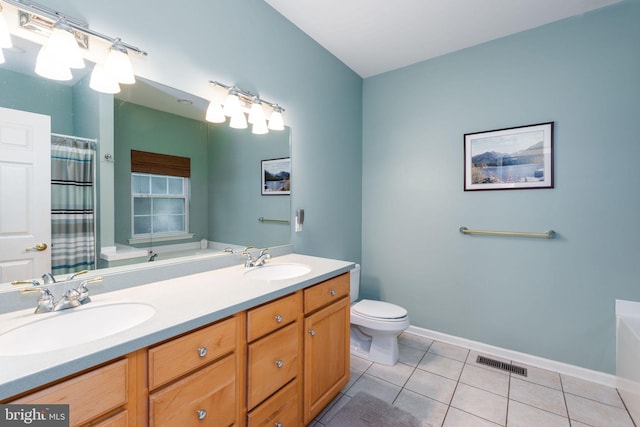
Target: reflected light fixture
65	39
231	101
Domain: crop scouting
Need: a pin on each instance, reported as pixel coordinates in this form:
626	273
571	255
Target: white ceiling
375	36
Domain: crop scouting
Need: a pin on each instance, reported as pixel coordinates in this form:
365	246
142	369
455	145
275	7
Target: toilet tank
354	282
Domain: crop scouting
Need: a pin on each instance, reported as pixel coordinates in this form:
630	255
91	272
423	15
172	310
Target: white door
25	195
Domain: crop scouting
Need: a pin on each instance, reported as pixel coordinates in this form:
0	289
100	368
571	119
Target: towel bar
282	221
550	234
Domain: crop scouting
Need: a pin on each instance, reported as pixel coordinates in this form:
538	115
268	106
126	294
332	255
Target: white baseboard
517	357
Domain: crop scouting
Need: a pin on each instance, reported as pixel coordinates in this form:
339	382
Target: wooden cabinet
90	395
194	379
326	343
277	364
274	362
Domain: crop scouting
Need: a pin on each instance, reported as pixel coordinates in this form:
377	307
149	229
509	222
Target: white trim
517	357
160	238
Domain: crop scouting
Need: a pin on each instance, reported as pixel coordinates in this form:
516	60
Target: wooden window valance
160	164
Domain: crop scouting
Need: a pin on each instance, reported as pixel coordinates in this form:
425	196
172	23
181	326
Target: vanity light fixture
62	49
230	101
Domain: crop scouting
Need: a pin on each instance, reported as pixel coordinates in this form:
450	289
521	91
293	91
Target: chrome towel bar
550	234
282	221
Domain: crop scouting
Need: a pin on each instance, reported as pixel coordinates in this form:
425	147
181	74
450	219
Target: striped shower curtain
73	245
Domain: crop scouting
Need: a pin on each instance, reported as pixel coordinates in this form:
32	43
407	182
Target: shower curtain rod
75	137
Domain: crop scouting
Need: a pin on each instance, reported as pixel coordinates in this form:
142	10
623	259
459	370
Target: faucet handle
45	302
84	292
264	251
76	274
25	282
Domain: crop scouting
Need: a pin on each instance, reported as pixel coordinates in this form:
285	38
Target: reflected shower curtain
73	243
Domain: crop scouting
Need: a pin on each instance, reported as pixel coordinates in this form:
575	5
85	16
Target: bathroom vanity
222	348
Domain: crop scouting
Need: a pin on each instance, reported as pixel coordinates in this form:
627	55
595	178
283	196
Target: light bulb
118	64
238	121
256	113
5	37
232	105
214	113
51	68
260	127
101	81
275	120
63	47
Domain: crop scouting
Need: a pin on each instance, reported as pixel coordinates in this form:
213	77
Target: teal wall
249	44
144	129
235	199
37	95
550	298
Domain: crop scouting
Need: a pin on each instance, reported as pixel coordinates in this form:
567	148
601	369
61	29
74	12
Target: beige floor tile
353	377
521	415
441	365
596	414
481	403
458	418
428	411
431	385
359	364
397	374
376	387
541	397
540	376
449	350
414	341
332	409
590	390
490	380
409	355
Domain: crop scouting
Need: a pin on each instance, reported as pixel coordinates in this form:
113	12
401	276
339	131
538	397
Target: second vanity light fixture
62	52
233	102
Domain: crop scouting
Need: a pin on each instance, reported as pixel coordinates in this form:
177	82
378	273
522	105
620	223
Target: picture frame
516	158
276	177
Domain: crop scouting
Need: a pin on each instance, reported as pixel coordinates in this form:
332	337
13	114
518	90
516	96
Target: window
159	205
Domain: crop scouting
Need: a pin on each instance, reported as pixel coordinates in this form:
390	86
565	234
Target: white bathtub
628	355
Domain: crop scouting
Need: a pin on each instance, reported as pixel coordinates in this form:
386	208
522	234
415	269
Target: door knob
38	247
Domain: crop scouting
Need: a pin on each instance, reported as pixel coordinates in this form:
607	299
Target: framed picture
509	159
276	177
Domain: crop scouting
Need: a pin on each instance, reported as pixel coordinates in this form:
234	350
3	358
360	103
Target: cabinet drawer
326	292
272	362
283	409
271	316
179	356
206	397
121	419
88	395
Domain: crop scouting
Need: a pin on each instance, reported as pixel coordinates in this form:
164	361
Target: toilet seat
379	310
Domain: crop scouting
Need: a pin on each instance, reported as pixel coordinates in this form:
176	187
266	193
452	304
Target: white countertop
181	304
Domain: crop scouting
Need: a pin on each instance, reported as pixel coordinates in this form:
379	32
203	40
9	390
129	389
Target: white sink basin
66	328
277	271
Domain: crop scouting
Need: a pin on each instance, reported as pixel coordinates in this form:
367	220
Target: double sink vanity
229	346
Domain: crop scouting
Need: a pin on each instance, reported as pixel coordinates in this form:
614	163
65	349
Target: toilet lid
379	309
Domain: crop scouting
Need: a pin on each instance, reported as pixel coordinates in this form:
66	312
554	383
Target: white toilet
375	326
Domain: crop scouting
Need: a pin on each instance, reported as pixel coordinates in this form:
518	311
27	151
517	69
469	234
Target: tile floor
442	385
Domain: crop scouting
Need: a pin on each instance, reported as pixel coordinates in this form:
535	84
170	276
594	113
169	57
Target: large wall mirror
226	208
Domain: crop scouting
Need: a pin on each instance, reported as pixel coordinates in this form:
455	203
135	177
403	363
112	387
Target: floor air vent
502	365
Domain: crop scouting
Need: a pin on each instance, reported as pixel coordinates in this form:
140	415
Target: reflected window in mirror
160	205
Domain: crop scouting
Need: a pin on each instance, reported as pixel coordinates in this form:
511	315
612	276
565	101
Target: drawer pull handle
279	363
278	318
333	292
202	352
202	414
312	332
277	424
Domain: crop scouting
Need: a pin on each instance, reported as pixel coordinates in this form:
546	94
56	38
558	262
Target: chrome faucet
72	298
258	262
47	279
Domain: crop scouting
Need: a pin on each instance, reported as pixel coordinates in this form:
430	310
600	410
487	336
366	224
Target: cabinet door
207	397
326	356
